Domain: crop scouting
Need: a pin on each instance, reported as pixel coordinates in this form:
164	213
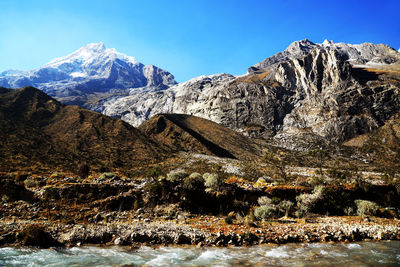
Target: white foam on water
279	252
353	246
370	253
324	252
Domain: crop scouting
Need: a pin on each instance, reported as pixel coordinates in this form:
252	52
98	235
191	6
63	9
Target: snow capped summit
84	53
82	62
92	68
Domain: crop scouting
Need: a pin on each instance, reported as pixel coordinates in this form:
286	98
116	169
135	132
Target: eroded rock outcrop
335	91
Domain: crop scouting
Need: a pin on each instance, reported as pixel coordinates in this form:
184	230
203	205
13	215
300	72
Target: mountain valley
97	148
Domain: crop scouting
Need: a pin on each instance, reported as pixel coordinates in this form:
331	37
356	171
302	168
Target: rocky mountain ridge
335	91
365	53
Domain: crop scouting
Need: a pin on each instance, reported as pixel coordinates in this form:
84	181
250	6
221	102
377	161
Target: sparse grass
254	78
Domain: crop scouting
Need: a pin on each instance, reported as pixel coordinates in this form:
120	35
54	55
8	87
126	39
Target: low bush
212	181
157	192
307	203
264	200
106	175
348	211
154	172
365	207
176	175
250	219
241	206
194	182
271	208
29	183
266	212
285	207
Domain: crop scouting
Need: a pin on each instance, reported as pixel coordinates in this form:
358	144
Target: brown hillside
179	132
39	133
382	144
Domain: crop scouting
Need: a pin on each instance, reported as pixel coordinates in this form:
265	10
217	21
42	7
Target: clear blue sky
188	37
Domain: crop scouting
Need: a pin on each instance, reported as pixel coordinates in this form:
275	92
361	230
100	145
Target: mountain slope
382	144
88	73
179	132
38	132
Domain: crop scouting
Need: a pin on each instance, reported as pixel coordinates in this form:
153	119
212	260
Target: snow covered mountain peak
95	47
93	52
92	68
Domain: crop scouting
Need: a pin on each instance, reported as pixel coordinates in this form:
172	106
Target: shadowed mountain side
37	132
179	132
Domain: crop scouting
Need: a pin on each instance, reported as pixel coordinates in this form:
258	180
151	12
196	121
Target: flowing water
318	254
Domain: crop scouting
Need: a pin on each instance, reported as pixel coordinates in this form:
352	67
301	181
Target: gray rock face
366	53
296	49
319	89
91	69
192	97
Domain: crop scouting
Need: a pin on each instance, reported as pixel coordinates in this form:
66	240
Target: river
386	253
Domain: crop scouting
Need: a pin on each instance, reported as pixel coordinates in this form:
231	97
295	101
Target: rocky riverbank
195	209
198	230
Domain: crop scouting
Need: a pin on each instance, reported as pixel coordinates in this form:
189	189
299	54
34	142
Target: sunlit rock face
335	91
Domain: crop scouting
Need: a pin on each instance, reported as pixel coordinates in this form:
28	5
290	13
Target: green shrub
212	181
176	175
194	182
264	201
348	211
157	192
266	212
250	219
154	172
365	207
196	176
337	174
307	202
5	198
30	183
106	175
206	175
285	206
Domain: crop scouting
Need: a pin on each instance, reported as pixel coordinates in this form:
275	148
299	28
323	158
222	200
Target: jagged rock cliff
335	91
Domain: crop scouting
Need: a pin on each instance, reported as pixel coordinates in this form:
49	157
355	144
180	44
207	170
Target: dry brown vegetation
39	133
179	132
